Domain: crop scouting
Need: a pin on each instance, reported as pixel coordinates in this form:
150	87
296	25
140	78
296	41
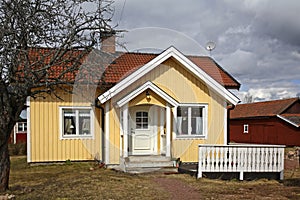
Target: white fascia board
170	52
205	77
288	121
135	76
142	88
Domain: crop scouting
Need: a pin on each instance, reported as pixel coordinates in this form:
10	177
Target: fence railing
241	158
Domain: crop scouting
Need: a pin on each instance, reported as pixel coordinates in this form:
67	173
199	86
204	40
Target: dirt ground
178	189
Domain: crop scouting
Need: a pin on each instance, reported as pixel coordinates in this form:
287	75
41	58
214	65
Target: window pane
182	120
197	121
84	126
197	126
69	125
25	126
20	127
141	120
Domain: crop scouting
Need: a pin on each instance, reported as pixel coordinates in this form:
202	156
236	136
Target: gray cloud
257	41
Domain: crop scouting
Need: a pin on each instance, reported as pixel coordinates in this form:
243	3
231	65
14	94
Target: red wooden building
270	122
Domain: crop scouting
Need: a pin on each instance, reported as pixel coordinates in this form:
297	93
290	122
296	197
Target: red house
270	122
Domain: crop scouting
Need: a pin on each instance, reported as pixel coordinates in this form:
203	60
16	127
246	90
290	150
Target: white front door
143	130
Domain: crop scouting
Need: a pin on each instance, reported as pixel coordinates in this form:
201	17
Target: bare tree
248	98
63	30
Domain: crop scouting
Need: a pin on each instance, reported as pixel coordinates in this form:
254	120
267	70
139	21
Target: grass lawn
77	181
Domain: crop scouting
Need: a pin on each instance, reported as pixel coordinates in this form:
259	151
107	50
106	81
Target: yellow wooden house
147	105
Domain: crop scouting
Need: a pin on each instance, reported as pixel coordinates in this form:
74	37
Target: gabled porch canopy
171	52
123	105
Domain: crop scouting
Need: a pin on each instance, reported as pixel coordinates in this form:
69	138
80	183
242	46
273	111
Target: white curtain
179	125
199	125
86	126
68	123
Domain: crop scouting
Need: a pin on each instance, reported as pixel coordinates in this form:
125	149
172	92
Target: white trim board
288	121
28	131
189	65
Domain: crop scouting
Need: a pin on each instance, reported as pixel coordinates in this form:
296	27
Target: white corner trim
106	129
28	130
168	130
288	121
170	52
225	123
142	88
125	130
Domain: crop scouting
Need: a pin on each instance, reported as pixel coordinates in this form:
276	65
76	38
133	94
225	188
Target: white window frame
205	121
77	136
246	128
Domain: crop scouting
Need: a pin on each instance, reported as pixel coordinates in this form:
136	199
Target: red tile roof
261	109
59	69
128	62
121	65
212	68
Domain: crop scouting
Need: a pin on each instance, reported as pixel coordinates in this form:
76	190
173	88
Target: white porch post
125	130
168	130
106	128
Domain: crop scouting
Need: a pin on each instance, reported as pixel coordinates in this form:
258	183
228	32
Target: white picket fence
241	158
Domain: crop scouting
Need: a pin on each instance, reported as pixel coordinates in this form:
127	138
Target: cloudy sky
257	41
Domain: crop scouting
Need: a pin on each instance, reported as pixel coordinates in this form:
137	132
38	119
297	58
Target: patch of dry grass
76	181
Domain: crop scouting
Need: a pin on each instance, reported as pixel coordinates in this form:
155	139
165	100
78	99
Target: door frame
152	111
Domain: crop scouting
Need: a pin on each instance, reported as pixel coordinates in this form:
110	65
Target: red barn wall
264	131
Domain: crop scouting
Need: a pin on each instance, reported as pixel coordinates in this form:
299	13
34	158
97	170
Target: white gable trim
170	52
288	121
144	87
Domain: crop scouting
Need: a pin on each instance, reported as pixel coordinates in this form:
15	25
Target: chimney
108	41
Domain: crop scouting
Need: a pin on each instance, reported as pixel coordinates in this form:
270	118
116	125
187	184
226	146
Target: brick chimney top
108	41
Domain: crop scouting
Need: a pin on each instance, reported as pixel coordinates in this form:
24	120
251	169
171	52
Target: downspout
229	108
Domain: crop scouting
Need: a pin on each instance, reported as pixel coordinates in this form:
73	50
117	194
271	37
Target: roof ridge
138	53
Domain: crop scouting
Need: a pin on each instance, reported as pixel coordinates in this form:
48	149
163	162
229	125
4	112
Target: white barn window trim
246	128
76	122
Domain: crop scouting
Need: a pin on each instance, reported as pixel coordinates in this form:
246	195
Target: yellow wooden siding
114	136
46	144
184	87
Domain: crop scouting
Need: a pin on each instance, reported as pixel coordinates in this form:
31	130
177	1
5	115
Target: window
77	122
191	120
141	120
22	126
246	128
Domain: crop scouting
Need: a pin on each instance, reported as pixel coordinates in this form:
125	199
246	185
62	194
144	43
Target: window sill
190	137
77	137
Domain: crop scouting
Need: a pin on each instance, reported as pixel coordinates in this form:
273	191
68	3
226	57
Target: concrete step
152	170
146	164
147	158
149	164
